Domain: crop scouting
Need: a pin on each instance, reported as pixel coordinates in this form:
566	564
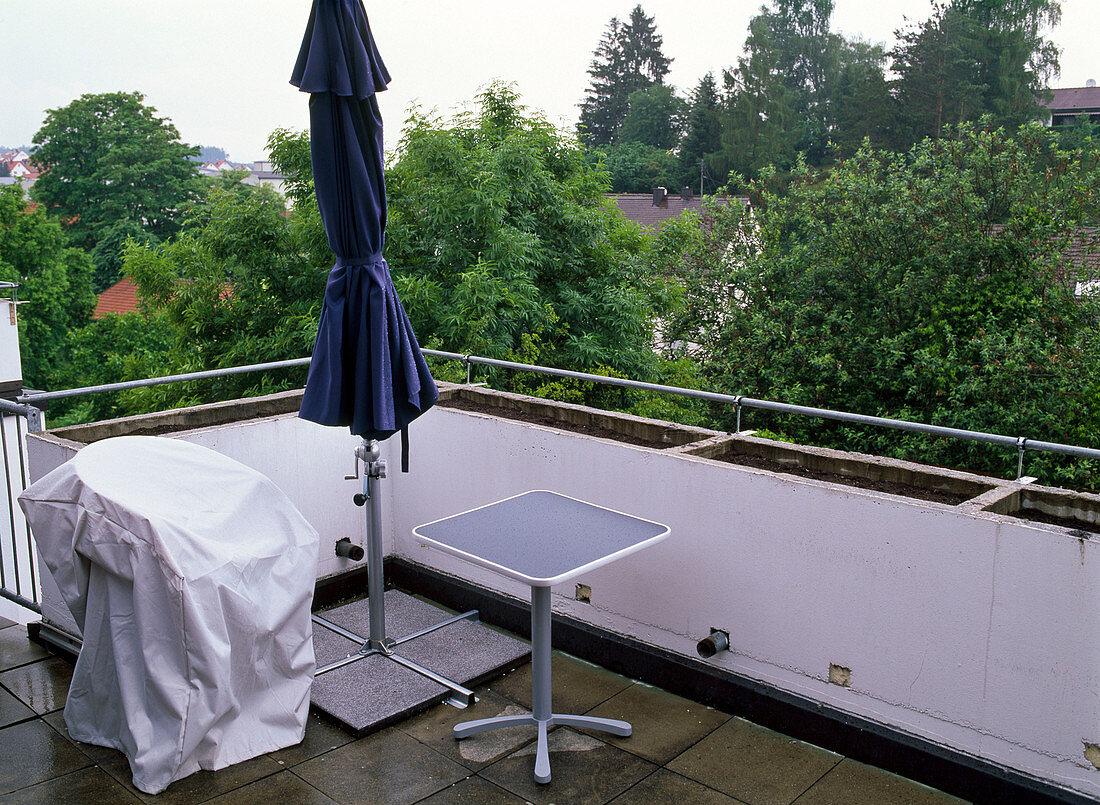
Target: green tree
236	286
638	168
930	286
109	161
702	134
654	117
972	58
115	348
759	121
938	75
862	104
629	58
55	281
502	244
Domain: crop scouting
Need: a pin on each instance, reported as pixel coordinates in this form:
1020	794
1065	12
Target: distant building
652	210
122	297
1067	104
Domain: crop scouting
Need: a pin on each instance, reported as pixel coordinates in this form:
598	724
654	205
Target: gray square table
541	538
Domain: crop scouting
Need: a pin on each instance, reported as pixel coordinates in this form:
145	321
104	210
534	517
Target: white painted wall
978	632
971	630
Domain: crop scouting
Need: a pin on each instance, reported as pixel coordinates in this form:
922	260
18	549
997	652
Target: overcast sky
219	69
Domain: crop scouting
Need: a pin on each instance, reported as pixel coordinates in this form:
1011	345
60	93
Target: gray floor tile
42	685
12	710
321	736
664	787
284	789
387	767
35	753
578	686
5	623
434	728
472	791
198	787
17	649
858	784
583	771
754	764
90	785
664	724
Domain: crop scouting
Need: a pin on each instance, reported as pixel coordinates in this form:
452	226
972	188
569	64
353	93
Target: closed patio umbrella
367	371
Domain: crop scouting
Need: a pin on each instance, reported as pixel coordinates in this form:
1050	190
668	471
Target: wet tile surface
17	649
388	766
754	764
282	789
42	686
664	724
90	785
681	753
584	771
664	786
578	686
858	784
32	753
435	729
12	710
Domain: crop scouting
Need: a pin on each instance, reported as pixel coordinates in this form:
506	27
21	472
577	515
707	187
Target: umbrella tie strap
359	262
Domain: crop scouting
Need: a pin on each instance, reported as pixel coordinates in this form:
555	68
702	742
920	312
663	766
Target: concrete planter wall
955	622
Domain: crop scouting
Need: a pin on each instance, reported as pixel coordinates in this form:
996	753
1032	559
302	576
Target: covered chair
191	577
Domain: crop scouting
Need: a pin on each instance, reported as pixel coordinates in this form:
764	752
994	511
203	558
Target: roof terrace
926	622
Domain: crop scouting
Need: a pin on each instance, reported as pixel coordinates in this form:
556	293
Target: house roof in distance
1073	99
122	297
651	210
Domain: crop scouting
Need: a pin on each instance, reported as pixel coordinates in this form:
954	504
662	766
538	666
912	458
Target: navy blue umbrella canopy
367	370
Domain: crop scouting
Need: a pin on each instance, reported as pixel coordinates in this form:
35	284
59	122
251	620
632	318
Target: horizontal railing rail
1020	443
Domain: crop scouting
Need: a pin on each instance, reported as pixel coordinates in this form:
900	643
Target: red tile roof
639	207
122	297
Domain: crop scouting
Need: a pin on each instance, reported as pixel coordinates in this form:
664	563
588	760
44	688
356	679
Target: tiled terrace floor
681	753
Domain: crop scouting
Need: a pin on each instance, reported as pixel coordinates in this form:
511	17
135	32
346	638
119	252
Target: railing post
1021	446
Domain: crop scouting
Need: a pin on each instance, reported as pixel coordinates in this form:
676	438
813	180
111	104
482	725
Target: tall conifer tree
628	58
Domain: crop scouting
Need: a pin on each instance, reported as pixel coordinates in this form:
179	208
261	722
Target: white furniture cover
191	577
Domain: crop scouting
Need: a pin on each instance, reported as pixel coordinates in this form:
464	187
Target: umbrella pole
370	453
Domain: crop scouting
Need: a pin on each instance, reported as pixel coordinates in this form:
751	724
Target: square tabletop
541	538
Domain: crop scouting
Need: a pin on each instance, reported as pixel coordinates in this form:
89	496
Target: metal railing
18	572
17	561
1020	444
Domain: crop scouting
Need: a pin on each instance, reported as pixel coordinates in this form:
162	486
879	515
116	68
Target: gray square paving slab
584	771
18	649
35	753
664	724
473	791
12	710
435	729
43	686
578	686
83	787
859	784
754	764
664	787
386	767
284	788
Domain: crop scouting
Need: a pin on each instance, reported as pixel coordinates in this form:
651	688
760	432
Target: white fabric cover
191	577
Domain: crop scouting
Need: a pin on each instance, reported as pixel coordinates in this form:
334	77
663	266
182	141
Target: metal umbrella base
368	682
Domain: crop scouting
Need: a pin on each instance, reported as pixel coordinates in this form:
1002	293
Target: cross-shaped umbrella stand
368	373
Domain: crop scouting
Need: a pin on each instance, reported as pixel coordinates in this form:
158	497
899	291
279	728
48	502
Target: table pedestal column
542	715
